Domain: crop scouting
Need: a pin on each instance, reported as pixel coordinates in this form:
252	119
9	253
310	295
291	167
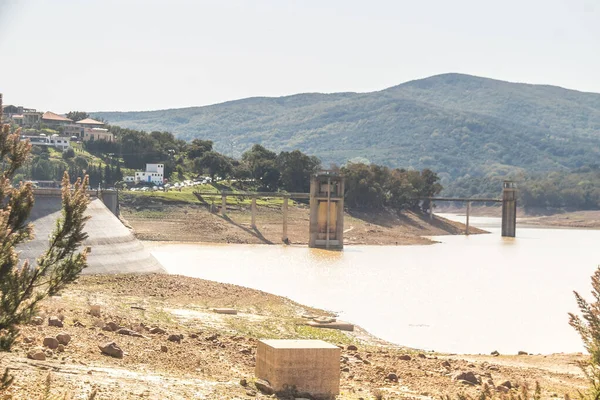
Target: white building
129	178
60	142
154	174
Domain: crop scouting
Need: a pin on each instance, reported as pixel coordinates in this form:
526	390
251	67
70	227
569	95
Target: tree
77	115
296	169
68	153
588	328
198	147
263	166
23	285
215	163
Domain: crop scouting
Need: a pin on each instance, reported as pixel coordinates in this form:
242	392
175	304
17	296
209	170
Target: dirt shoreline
154	220
217	351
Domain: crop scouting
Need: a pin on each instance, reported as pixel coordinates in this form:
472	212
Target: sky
124	55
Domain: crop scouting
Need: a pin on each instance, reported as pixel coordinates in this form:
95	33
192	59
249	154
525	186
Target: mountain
452	123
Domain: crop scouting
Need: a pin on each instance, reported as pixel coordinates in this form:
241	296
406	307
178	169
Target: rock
405	357
462	381
63	338
324	320
60	348
55	321
37	354
28	339
352	348
243	382
392	377
164	348
251	393
494	368
421	355
111	349
129	332
95	310
264	386
502	389
507	384
466	376
345	369
174	338
446	364
522	353
193	336
50	342
37	320
111	327
157	330
495	353
212	337
78	324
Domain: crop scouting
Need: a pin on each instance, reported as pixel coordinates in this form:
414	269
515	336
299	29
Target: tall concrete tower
509	209
326	211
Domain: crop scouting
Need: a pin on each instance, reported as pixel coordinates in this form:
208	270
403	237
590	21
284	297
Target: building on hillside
31	118
91	134
90	123
53	120
154	174
129	178
60	142
22	116
17	119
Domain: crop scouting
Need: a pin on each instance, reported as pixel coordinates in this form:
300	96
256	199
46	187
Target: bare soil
217	351
156	221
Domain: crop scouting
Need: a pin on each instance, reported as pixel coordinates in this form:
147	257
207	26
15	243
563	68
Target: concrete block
312	366
225	311
339	325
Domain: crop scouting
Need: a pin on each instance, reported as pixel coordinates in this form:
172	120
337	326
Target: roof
17	116
55	117
89	121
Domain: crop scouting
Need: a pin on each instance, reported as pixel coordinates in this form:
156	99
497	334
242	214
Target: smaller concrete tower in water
326	211
509	209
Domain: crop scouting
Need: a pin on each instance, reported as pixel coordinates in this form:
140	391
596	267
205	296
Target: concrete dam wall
114	249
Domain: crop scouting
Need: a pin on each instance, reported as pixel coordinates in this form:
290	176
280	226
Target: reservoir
466	294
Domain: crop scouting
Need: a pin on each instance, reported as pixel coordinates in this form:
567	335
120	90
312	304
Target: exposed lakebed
469	294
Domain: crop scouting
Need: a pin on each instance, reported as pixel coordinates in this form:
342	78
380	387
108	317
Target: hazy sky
106	55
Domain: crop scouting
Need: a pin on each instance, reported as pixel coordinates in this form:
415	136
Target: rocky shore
158	337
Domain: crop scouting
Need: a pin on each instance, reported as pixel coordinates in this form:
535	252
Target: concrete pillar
223	205
328	212
431	209
253	223
314	211
509	209
284	209
468	213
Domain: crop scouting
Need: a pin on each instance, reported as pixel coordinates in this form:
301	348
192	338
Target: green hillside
454	124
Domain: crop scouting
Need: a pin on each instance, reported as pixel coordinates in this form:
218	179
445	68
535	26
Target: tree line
577	189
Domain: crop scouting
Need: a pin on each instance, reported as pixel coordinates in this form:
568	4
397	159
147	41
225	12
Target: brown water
470	294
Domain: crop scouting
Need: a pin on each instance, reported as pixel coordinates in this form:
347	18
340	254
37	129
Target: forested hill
454	124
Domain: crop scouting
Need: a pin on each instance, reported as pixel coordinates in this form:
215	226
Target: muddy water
470	294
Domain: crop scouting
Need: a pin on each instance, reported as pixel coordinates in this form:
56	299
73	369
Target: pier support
223	205
284	209
468	212
509	209
253	223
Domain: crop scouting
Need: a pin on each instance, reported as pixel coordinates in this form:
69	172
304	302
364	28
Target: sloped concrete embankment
114	248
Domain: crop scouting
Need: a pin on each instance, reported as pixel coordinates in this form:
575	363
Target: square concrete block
312	366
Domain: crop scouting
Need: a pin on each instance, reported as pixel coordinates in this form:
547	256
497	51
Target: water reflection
467	294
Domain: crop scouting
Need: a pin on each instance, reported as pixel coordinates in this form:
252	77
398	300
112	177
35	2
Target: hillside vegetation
457	125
